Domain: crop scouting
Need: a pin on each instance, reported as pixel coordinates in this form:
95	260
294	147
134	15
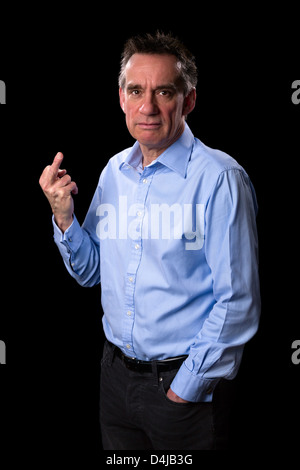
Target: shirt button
70	239
145	180
130	279
139	213
136	246
129	313
128	346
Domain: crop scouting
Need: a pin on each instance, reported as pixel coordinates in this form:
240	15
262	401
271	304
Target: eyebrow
167	86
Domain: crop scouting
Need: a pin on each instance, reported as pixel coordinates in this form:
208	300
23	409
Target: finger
61	173
62	181
75	188
68	188
57	162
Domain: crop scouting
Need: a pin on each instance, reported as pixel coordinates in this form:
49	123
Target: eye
135	92
165	93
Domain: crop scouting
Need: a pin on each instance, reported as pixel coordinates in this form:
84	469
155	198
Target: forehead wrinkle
138	69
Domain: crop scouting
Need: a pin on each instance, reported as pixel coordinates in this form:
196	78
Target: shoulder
223	175
209	167
213	160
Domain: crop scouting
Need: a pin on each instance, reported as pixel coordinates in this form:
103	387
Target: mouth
148	126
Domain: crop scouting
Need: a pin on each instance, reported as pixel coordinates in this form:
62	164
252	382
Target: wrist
62	223
173	397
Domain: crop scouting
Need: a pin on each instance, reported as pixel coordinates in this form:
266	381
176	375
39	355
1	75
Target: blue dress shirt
174	246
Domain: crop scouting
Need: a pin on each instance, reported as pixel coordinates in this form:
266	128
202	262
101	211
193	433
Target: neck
152	153
149	155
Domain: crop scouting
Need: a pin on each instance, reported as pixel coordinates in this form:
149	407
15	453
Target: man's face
153	101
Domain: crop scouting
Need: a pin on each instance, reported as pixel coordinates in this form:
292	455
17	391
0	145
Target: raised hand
58	188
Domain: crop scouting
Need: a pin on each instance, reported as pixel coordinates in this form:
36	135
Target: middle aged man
171	236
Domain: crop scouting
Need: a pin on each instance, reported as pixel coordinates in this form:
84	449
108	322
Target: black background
62	95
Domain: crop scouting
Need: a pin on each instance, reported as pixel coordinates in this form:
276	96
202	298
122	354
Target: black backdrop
62	95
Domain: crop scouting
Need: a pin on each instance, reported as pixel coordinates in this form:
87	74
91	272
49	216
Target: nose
149	106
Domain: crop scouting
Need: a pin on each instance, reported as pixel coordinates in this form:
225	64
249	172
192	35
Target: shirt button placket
135	258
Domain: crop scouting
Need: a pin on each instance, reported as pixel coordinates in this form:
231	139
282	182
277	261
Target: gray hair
161	43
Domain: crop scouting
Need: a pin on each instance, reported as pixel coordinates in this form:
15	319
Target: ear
189	102
122	98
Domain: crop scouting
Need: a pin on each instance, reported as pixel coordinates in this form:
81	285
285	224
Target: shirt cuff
191	387
72	237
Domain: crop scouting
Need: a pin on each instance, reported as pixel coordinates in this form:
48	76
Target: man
171	236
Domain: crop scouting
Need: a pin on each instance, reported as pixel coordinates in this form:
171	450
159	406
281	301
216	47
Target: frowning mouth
149	126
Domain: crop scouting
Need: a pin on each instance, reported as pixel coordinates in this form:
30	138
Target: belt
147	366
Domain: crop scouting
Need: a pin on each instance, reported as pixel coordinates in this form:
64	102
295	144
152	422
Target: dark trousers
136	414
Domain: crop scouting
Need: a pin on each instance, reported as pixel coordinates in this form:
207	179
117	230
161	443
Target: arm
231	253
79	247
80	253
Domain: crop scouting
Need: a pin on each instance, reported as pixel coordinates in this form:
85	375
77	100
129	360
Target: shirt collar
176	157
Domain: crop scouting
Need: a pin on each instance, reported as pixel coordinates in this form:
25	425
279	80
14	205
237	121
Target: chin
149	138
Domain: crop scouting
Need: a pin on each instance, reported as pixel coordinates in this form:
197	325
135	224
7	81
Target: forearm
79	252
231	253
206	364
216	352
